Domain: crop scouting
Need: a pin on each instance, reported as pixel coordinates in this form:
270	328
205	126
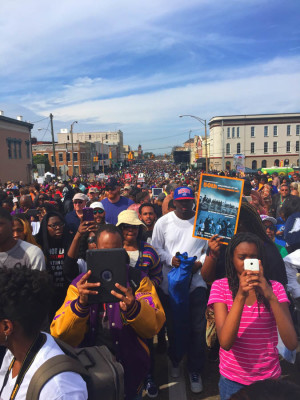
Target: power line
40	120
167	137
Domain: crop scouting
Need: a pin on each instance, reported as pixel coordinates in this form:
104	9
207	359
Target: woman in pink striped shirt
248	310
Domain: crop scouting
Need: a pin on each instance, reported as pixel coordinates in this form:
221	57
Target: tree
41	159
148	155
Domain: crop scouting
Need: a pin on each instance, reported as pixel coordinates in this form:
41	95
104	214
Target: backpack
104	376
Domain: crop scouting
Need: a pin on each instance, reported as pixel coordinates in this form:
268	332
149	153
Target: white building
264	139
112	139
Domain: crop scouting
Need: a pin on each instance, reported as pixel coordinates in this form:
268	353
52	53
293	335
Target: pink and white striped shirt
254	355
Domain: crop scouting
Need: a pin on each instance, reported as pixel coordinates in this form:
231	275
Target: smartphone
88	214
108	266
251	264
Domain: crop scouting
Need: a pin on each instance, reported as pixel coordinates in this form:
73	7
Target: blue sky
137	65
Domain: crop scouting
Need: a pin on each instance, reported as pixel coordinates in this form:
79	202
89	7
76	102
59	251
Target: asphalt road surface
179	389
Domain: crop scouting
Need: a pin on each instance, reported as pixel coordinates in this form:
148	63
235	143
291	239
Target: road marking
176	386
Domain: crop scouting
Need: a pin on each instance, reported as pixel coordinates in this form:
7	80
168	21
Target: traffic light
95	159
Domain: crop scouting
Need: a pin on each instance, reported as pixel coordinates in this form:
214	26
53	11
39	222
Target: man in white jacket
174	233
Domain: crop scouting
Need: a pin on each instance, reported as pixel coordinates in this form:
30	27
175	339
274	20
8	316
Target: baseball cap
268	218
93	190
183	193
161	196
97	204
111	183
80	196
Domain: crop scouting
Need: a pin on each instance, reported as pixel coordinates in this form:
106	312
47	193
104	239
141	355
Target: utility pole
206	155
72	146
53	144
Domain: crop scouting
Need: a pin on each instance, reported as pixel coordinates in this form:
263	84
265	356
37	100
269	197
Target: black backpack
103	375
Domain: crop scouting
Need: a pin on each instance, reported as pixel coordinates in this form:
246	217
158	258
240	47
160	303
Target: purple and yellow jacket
77	326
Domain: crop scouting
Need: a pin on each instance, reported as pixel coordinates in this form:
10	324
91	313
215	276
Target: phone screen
88	214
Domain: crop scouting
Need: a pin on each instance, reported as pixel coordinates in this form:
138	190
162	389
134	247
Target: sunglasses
127	226
78	202
98	211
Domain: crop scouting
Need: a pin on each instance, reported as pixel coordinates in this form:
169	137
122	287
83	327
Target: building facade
264	139
85	155
112	139
15	149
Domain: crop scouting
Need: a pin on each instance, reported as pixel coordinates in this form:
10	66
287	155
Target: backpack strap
51	368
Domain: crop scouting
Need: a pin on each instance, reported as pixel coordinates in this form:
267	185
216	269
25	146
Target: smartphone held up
251	264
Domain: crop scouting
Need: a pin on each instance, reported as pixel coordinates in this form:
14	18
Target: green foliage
41	159
148	155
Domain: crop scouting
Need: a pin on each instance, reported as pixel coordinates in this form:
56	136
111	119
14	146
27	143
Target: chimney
20	118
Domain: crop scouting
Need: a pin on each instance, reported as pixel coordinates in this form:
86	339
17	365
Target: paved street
179	389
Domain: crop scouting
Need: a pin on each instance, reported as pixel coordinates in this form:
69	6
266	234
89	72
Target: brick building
84	154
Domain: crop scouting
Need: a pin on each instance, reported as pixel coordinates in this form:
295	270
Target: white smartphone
251	264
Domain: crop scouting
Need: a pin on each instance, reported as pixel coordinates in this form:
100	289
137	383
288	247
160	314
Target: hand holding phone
251	264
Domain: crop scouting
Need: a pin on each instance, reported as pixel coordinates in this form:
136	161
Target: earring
6	337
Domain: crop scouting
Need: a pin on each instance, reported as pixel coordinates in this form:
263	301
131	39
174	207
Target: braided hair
231	274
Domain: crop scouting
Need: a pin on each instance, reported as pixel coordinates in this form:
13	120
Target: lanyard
29	358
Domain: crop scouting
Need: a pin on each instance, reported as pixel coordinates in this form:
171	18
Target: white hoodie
292	266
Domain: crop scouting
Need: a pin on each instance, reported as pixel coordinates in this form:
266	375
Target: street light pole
72	145
190	148
203	122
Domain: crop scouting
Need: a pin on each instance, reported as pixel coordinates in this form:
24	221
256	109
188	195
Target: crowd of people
45	286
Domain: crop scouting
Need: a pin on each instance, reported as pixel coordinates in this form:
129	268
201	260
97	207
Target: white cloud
264	90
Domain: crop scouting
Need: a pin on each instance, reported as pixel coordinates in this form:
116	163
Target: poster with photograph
218	207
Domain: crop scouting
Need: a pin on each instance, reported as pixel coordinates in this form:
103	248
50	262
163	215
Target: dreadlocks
231	274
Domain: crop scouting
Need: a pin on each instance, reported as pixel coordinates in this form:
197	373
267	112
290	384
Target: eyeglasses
77	202
98	211
127	226
91	239
56	226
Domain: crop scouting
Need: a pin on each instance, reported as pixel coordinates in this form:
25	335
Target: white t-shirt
133	257
64	386
171	235
23	253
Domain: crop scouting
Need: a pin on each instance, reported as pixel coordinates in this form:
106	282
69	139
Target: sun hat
129	217
97	204
268	218
183	193
80	196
